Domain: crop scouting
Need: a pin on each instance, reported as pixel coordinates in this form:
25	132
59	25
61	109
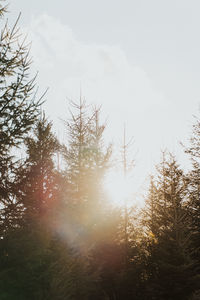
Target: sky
138	59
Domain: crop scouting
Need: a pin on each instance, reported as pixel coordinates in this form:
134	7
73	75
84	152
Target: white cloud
103	71
106	76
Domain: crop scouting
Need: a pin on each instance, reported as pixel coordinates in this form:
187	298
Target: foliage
18	111
59	237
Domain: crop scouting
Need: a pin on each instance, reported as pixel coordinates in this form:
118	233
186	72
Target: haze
139	59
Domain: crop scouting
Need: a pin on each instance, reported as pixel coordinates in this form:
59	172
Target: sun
118	188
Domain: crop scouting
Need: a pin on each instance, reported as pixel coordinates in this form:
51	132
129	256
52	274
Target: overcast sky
139	59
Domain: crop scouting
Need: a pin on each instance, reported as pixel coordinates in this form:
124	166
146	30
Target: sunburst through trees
74	231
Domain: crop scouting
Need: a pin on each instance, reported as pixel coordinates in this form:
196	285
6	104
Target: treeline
59	236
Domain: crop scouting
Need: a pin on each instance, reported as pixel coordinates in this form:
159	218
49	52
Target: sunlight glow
118	188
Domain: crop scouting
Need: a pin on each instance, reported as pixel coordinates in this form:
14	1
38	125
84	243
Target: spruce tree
169	264
86	162
194	188
18	112
28	245
39	177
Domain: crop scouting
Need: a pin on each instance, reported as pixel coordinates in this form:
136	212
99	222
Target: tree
72	272
26	248
86	162
194	189
18	110
39	183
169	264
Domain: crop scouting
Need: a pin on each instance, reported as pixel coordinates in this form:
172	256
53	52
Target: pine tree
25	251
82	204
39	177
86	163
88	217
169	263
194	189
18	111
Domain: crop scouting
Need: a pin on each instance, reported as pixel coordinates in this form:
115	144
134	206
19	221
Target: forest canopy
61	236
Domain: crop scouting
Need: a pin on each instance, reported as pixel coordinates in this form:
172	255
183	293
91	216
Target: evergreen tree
194	189
39	178
81	219
169	264
86	163
18	112
26	249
